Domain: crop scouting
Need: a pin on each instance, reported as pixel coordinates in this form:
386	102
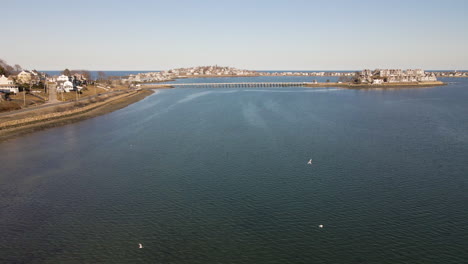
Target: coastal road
52	94
58	103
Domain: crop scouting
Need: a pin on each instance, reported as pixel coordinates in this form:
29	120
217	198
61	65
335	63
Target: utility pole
46	91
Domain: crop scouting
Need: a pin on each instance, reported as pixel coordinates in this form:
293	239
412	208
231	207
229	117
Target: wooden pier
228	85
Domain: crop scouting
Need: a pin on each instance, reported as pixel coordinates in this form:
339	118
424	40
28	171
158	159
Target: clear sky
257	35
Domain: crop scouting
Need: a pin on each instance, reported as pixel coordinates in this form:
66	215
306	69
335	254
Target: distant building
62	78
377	81
380	76
52	79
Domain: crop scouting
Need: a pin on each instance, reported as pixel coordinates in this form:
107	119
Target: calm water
220	176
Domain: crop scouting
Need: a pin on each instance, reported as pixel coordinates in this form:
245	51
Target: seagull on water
140	245
310	162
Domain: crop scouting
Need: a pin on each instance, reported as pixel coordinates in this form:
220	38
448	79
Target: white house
24	77
65	87
377	81
8	85
62	78
51	79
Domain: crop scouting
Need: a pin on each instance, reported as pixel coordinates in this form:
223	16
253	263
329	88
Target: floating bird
310	162
320	226
140	245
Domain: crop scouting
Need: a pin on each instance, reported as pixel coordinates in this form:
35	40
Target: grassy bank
86	92
22	100
18	125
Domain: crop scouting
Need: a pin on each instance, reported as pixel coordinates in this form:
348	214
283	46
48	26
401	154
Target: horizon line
251	70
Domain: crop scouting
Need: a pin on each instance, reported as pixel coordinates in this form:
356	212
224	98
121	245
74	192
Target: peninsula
392	78
379	78
347	79
219	71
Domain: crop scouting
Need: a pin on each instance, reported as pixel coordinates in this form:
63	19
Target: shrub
61	108
79	104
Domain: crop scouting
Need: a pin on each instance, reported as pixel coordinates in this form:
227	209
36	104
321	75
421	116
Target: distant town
367	76
26	88
380	76
218	71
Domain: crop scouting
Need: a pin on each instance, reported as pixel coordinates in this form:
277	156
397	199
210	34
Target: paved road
52	94
25	110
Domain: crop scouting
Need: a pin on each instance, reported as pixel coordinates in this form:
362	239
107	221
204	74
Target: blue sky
258	35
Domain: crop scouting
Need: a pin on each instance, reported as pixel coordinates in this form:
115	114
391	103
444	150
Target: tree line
7	70
101	76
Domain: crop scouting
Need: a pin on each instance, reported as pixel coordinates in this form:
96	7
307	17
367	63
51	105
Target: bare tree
66	72
3	71
10	69
86	74
101	76
18	68
5	68
346	79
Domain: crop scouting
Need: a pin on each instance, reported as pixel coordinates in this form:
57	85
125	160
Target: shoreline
196	77
372	86
21	126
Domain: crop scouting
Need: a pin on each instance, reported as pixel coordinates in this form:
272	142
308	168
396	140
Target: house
377	81
66	87
62	78
7	85
52	79
395	76
79	80
24	77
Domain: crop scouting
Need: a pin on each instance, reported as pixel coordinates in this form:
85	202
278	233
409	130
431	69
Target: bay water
220	175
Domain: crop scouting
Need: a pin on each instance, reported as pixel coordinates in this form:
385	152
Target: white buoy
320	226
310	162
140	245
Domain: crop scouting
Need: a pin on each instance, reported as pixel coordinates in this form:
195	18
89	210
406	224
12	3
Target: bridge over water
229	85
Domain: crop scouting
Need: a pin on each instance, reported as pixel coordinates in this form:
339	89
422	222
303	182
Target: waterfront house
62	78
377	81
24	77
52	79
66	86
379	76
7	85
